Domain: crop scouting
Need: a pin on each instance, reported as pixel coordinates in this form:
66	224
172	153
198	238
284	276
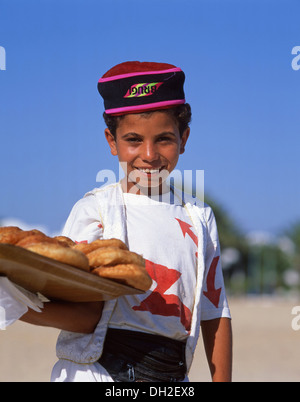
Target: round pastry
130	274
60	253
33	238
113	256
8	229
14	235
58	248
9	234
65	240
99	243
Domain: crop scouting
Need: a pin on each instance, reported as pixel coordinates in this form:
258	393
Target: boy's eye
133	139
166	138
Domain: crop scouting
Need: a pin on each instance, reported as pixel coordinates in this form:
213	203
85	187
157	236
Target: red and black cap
136	87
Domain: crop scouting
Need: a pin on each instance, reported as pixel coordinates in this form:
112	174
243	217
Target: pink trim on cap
120	76
145	107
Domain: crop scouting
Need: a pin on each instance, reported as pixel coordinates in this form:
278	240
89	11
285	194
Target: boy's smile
149	146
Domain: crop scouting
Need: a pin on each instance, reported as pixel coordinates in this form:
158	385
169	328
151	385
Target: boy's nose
149	152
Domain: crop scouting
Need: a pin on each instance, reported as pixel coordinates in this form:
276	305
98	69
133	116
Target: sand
266	347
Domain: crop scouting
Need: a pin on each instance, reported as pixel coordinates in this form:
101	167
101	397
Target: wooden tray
55	280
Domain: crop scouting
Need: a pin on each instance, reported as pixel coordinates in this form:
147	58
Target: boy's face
148	146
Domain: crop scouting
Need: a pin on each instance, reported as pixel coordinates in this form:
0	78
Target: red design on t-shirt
159	303
212	293
186	229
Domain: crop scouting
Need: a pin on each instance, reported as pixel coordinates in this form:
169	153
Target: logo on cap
144	89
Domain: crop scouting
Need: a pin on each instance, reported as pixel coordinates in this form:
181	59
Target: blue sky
239	81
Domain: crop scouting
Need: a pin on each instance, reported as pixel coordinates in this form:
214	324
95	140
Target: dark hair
181	113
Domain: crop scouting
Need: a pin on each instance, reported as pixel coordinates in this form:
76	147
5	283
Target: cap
136	87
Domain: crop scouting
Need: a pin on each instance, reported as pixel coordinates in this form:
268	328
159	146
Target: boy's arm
217	337
68	316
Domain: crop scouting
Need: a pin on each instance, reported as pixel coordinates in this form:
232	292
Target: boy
149	337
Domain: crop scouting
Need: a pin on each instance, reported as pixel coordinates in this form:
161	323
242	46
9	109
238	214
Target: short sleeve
84	223
213	299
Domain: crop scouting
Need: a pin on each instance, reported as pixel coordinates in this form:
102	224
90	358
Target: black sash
130	356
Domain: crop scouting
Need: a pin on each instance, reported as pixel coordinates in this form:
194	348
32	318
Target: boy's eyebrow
132	133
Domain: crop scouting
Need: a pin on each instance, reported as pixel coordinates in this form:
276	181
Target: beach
266	347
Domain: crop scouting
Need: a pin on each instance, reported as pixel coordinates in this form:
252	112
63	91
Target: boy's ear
184	139
111	142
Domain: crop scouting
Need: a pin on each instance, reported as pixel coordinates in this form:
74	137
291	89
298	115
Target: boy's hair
182	114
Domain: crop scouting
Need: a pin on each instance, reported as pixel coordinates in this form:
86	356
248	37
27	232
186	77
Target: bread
130	274
61	253
65	240
87	248
108	256
58	248
13	234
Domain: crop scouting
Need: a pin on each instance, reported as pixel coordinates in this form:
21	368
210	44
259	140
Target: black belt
130	356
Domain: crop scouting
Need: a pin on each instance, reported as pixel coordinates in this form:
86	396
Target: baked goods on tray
37	242
108	258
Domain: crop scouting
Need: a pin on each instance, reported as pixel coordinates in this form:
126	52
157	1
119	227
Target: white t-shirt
164	235
101	214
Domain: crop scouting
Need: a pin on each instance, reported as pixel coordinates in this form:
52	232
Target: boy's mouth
150	171
154	176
